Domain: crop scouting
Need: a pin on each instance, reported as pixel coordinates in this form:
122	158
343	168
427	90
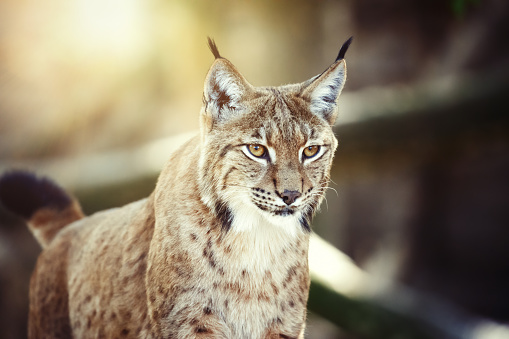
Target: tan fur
47	222
214	252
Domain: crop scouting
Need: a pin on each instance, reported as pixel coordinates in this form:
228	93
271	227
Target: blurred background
98	93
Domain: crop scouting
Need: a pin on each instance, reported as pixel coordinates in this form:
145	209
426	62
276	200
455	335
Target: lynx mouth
265	202
284	212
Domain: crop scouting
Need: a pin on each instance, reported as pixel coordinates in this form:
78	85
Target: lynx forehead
219	249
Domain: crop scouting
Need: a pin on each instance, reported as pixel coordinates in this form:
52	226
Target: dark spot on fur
305	224
207	310
274	288
292	271
124	332
263	296
256	135
209	254
225	178
201	329
260	206
224	215
141	257
193	237
224	150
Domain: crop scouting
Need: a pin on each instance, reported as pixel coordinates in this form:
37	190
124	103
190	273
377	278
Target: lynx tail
45	206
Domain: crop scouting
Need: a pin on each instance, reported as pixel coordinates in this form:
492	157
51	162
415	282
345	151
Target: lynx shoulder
219	249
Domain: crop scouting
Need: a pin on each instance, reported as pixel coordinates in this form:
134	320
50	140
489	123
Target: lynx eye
311	151
258	151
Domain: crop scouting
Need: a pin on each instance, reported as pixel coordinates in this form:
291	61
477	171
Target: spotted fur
220	248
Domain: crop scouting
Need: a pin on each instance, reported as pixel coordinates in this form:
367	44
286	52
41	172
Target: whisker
333	189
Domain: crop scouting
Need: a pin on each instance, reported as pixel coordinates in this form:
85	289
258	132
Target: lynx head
267	151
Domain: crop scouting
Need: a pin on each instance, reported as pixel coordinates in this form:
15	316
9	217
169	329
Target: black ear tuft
213	48
23	193
344	48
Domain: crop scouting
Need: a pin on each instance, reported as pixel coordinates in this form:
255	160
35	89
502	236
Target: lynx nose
289	197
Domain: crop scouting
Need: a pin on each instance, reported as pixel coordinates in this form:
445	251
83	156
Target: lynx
219	249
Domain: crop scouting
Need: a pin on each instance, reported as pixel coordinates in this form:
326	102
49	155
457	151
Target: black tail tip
213	48
344	48
23	193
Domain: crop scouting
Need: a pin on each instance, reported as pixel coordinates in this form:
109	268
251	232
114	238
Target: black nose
289	197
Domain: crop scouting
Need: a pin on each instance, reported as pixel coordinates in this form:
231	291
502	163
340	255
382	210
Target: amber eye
257	150
311	151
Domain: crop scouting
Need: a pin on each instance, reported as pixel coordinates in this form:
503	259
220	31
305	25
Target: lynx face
267	152
277	162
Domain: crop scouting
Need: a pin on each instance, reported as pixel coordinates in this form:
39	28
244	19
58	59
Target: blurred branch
369	308
422	318
405	99
363	318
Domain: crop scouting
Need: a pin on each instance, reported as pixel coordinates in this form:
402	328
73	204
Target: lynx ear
225	89
323	90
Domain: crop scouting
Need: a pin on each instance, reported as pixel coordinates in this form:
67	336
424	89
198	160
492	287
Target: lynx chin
219	249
